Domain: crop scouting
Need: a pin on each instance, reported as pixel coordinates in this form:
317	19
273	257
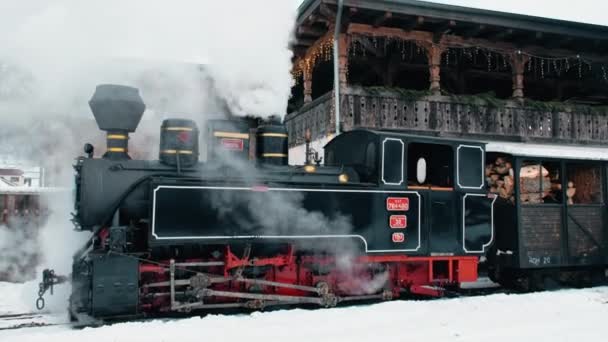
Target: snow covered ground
567	315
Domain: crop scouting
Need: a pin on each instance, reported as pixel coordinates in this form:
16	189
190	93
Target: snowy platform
566	315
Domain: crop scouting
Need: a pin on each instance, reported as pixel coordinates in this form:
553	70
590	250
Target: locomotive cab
450	212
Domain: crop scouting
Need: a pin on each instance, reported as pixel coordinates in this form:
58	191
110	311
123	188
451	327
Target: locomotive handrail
432	188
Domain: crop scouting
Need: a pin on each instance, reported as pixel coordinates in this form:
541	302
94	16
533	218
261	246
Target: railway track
11	321
24	320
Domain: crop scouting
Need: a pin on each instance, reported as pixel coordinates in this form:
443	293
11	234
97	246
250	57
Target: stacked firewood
499	176
530	183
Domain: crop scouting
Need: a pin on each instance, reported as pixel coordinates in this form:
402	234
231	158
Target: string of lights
496	59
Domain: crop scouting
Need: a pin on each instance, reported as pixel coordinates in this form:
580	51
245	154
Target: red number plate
398	237
232	144
397	204
398	221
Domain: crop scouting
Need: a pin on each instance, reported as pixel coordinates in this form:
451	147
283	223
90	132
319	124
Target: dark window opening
322	78
470	167
439	160
476	71
356	151
584	184
499	175
296	100
554	193
572	81
392	170
370	156
376	62
540	182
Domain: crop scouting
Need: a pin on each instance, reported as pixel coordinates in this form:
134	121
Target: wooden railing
468	117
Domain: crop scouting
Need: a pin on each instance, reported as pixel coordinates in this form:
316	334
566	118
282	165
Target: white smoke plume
17	247
288	213
54	53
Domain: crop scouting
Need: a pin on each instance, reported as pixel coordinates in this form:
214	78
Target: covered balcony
449	71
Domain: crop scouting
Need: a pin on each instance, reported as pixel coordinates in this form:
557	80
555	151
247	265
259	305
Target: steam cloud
54	53
189	58
284	213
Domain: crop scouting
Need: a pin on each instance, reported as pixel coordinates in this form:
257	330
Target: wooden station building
445	70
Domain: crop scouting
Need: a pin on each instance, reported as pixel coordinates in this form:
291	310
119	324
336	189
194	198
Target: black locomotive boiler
387	214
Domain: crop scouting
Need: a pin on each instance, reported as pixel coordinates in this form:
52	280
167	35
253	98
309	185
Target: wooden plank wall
315	116
590	218
447	116
541	238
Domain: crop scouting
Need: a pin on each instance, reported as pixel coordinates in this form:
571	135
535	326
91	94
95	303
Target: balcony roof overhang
315	18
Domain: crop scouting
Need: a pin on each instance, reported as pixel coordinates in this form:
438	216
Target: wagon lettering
534	261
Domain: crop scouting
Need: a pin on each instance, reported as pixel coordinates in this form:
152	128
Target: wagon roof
428	138
549	151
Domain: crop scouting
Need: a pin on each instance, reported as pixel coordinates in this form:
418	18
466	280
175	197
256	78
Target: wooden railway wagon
551	226
20	216
17	206
23	212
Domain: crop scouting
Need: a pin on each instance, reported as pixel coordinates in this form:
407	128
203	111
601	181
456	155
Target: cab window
430	165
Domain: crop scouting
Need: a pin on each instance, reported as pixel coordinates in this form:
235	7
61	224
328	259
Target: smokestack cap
117	107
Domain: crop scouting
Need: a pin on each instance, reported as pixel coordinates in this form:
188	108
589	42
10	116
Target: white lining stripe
458	167
402	161
288	236
464	226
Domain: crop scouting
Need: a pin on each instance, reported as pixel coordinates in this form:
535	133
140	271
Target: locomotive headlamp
89	149
310	168
343	178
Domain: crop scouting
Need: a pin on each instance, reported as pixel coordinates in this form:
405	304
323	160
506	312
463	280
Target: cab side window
392	161
430	165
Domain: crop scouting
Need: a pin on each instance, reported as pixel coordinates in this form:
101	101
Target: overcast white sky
588	11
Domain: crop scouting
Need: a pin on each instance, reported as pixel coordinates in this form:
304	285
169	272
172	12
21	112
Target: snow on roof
5	183
550	151
11	172
29	190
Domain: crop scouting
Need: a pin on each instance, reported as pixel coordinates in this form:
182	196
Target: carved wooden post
343	47
434	53
307	76
518	67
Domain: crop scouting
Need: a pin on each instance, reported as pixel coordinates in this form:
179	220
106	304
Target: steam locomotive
387	215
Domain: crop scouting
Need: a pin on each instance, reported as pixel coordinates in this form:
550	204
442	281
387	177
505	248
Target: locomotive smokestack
117	110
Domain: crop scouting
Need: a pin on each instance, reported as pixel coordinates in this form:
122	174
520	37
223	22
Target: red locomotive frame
290	279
